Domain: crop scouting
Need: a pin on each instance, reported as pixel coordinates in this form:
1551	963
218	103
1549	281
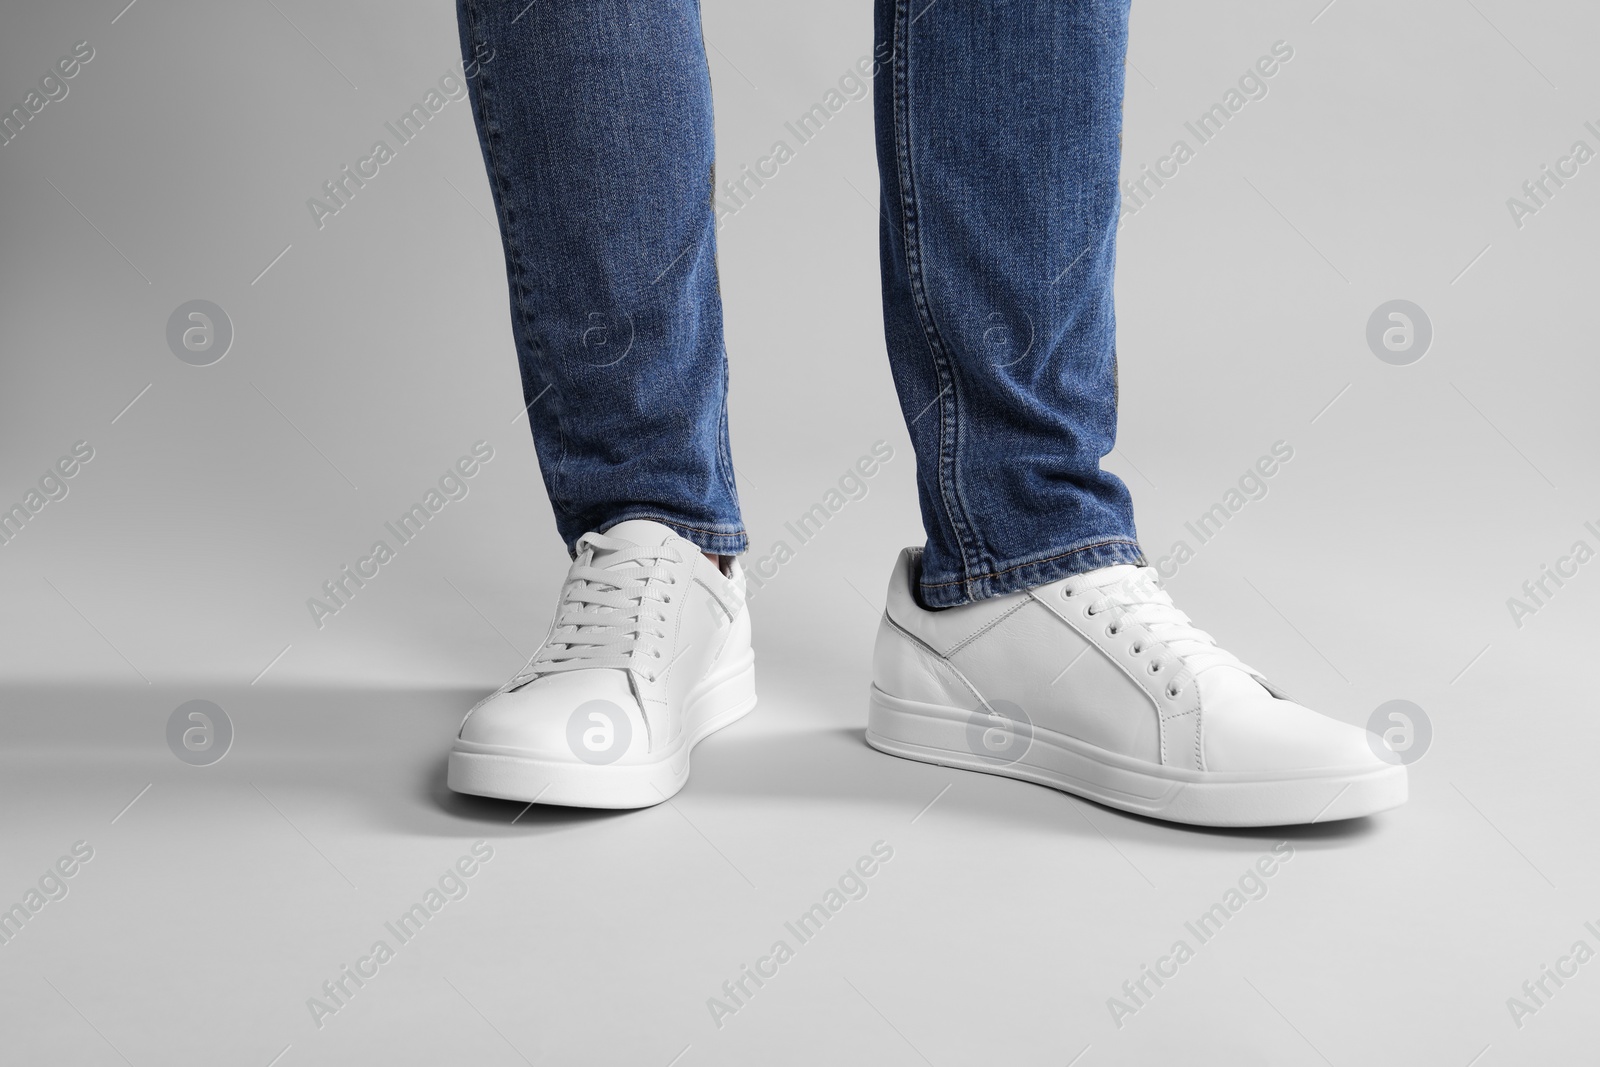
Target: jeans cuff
723	540
940	591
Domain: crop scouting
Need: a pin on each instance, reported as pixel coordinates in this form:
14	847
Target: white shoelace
1137	597
610	616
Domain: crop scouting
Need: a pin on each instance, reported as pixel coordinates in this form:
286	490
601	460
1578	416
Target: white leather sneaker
649	653
1096	684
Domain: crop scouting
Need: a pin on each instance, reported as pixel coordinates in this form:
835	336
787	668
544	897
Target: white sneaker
1096	684
648	654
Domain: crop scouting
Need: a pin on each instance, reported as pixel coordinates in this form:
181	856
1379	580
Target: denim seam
1033	562
514	261
722	426
724	446
948	481
738	531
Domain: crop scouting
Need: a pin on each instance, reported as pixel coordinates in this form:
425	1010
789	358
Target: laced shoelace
610	616
1137	598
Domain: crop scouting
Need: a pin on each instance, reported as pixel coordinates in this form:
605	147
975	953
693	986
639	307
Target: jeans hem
721	540
1025	574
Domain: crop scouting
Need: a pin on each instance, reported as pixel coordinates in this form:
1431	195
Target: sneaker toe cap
1248	729
590	716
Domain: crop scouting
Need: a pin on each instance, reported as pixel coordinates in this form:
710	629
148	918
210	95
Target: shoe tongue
1101	577
639	532
1219	682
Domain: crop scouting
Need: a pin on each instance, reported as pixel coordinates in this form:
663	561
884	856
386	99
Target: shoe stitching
986	627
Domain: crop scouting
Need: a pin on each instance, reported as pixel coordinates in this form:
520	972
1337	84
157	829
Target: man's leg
1028	639
595	122
999	130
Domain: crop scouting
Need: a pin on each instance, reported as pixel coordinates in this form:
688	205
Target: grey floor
1381	565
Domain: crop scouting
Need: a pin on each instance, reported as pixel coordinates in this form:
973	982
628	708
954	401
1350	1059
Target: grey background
374	352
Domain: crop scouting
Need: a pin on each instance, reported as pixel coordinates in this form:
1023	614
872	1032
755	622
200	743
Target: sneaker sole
513	775
934	733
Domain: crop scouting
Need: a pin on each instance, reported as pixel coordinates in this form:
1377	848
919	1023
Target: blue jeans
998	136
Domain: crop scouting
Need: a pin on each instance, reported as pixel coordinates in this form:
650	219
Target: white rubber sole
938	734
512	774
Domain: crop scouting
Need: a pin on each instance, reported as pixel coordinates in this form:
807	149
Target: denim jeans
998	139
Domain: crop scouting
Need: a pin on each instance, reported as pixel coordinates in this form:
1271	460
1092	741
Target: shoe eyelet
1066	594
1136	650
1173	693
1155	666
1090	610
1111	630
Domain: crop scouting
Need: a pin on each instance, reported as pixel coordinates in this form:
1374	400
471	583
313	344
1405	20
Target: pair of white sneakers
1094	684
